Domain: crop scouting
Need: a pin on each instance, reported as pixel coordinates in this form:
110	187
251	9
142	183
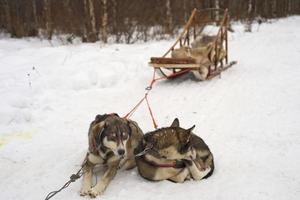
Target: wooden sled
204	55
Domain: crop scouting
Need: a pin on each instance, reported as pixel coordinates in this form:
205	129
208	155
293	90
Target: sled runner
204	54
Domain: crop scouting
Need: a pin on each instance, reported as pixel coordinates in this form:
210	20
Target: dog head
171	142
112	134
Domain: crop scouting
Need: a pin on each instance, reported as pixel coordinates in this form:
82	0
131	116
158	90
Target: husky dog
182	52
112	141
203	51
174	154
204	40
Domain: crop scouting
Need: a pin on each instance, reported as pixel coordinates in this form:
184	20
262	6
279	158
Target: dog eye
124	135
112	136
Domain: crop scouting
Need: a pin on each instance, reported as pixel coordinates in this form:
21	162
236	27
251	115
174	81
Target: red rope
128	115
150	111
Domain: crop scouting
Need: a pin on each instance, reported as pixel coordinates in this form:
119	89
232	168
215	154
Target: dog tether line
73	178
148	89
79	173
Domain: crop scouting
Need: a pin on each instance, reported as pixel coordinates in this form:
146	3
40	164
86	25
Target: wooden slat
162	60
187	25
219	70
175	66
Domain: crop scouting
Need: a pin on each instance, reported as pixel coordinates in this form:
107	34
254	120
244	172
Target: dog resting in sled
201	48
174	154
203	52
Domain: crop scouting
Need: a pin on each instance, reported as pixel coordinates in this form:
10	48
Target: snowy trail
249	117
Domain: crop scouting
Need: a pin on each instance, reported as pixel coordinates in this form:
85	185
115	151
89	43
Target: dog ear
191	129
189	132
129	124
175	123
99	128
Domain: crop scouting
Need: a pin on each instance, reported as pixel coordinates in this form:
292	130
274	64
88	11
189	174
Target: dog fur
112	141
203	52
174	154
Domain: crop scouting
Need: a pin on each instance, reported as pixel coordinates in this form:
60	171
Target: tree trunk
47	16
7	16
85	27
217	3
185	11
248	27
289	7
35	19
273	8
104	21
69	15
115	29
169	17
93	34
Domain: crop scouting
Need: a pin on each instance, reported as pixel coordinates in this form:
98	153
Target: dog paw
202	169
187	162
95	191
84	191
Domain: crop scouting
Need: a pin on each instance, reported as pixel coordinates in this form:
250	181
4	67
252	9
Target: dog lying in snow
174	154
112	141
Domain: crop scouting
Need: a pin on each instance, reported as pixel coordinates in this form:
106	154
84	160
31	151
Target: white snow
249	117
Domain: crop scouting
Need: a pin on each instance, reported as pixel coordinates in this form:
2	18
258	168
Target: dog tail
212	167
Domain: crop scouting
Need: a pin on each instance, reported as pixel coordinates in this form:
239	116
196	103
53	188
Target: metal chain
73	178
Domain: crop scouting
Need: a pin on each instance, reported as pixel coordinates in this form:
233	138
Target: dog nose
121	152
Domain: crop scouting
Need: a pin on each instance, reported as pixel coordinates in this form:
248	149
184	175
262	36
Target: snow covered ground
249	117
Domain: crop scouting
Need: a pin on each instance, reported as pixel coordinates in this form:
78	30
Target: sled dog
112	141
174	154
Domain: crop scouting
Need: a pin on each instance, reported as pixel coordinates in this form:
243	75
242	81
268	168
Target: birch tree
47	16
93	33
217	5
89	31
248	26
169	17
104	21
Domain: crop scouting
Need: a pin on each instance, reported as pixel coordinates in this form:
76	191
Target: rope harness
148	89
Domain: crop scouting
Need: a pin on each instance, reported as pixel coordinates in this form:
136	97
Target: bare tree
47	16
93	33
35	19
68	7
85	27
114	14
104	21
169	27
273	7
7	16
248	26
185	10
217	5
127	20
89	31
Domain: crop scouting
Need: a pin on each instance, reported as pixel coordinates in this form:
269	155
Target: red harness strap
128	115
